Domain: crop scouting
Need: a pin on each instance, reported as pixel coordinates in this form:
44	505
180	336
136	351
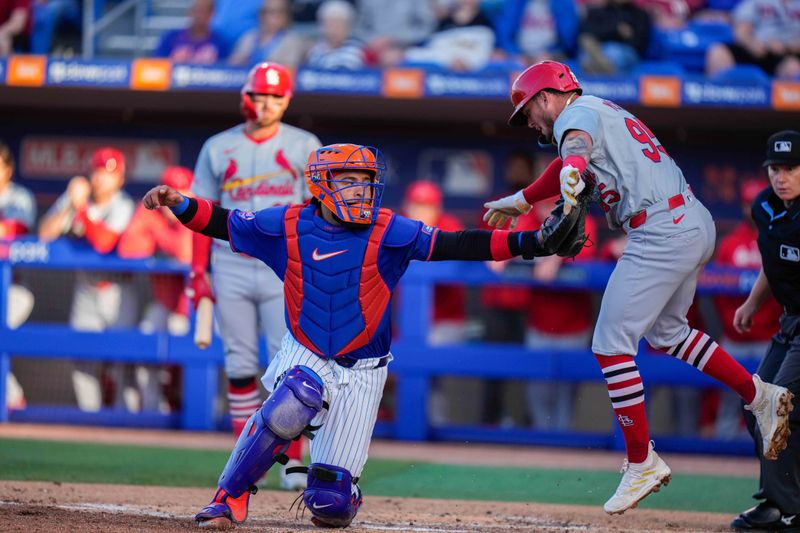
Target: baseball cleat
294	481
224	511
771	407
638	482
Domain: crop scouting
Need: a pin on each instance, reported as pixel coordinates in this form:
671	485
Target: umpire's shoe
224	511
766	517
638	481
771	407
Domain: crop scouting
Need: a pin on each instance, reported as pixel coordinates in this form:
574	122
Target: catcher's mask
325	165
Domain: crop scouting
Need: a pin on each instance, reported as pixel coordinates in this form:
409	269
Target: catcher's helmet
324	164
264	78
543	75
424	192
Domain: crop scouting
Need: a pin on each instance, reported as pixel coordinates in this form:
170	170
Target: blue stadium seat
722	5
658	68
744	74
688	45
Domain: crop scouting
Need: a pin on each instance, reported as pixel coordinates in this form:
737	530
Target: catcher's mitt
562	234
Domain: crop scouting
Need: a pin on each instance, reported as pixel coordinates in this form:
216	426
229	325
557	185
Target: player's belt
641	217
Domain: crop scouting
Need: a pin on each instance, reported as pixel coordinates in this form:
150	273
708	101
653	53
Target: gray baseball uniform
670	233
242	173
16	203
99	300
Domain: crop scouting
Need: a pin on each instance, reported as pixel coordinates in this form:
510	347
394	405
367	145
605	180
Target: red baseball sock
295	450
702	352
243	400
627	398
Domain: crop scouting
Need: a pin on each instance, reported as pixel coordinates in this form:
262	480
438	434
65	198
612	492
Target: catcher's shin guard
283	417
332	495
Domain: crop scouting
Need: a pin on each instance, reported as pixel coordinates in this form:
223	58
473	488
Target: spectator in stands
198	44
423	201
337	48
273	41
96	211
767	34
234	18
614	36
505	306
389	27
557	319
740	249
15	26
464	40
152	232
48	16
534	30
671	14
17	216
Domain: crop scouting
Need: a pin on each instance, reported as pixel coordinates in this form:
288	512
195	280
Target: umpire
776	212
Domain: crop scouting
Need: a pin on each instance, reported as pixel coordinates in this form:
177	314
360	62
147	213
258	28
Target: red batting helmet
108	159
264	78
544	75
179	178
424	192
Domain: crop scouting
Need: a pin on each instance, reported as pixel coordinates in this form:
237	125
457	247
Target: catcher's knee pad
287	412
332	495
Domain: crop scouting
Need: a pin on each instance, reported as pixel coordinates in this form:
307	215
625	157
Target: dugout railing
415	364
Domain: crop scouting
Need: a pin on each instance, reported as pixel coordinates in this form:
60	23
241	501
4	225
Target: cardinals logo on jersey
230	172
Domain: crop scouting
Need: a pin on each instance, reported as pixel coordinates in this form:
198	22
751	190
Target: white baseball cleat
295	481
771	407
639	480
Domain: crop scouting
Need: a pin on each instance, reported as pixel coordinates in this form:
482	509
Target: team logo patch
246	215
783	146
625	420
427	229
790	253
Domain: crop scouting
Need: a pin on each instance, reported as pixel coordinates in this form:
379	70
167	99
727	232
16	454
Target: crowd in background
605	37
97	210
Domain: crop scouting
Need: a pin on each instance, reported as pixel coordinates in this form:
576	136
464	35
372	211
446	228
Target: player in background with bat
251	166
340	256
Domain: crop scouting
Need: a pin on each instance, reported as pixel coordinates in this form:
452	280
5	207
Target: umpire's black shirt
779	244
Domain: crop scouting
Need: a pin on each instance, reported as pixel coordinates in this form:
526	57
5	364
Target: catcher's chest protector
335	296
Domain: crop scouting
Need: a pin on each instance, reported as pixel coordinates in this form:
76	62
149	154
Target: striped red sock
627	398
244	399
295	450
702	352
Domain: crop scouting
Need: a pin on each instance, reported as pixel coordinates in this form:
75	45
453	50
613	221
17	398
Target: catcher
340	257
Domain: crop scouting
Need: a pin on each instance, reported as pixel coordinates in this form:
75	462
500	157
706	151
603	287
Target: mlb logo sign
790	253
783	146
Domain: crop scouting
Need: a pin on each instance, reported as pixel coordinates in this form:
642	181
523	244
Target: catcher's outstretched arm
484	245
203	217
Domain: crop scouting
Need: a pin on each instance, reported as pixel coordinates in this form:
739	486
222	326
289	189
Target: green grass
141	465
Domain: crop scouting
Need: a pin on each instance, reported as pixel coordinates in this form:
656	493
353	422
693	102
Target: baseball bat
202	322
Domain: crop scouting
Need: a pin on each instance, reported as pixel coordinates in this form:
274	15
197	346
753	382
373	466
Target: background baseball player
251	166
17	217
340	256
670	238
97	210
159	232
